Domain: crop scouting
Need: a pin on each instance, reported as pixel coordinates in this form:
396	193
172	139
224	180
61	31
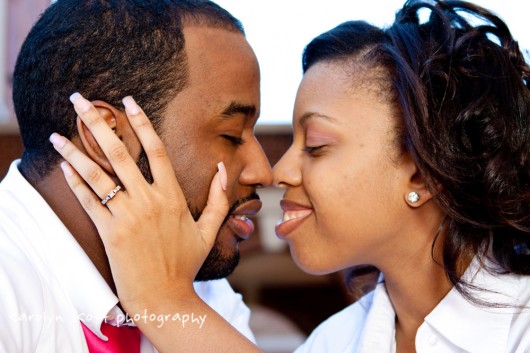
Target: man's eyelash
234	139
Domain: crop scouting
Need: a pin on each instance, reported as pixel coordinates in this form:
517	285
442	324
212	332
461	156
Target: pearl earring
413	197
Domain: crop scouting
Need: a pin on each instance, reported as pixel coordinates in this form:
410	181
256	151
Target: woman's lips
293	215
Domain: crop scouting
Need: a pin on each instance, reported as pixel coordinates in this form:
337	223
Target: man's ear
118	122
415	193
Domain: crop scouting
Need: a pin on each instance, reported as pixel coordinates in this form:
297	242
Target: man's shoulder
35	314
14	258
22	300
20	280
211	291
220	296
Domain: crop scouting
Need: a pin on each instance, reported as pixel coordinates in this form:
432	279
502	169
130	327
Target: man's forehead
216	48
223	77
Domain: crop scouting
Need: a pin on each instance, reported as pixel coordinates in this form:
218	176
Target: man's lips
238	220
293	215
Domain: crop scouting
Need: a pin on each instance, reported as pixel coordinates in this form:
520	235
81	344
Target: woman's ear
416	192
118	122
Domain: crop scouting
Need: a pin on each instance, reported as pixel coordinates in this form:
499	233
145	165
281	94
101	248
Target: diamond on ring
111	195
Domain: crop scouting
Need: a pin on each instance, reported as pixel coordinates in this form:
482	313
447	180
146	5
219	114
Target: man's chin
218	265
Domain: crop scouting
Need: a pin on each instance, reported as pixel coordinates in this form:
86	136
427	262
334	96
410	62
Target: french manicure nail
130	105
57	140
67	168
222	175
81	103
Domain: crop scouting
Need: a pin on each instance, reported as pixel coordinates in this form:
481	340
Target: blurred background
286	303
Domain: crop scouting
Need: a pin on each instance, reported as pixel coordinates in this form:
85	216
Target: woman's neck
416	281
414	295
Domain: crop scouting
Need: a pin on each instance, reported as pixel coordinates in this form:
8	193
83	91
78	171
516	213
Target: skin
223	70
345	166
350	176
176	252
200	128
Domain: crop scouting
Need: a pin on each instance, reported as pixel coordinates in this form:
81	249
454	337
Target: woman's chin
313	265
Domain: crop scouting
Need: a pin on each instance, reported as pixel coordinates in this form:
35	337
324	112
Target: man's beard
217	264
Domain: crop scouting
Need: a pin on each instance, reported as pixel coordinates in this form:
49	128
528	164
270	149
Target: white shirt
454	325
48	284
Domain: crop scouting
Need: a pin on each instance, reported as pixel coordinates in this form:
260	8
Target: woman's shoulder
342	331
519	333
524	293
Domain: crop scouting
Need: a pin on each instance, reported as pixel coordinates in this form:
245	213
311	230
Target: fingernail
222	175
79	102
130	105
67	168
57	140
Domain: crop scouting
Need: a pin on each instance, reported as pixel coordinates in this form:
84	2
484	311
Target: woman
410	157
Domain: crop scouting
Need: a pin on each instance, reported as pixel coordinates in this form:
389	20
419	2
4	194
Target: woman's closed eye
317	142
314	150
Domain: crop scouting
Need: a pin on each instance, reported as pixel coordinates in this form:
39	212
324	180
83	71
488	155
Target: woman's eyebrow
314	115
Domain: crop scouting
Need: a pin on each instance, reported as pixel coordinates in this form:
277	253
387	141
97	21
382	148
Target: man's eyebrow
311	115
235	108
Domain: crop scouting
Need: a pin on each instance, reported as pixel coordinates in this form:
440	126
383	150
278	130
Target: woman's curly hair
461	86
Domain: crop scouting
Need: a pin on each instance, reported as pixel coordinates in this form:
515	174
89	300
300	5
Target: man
187	63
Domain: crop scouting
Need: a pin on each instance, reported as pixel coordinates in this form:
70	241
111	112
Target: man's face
210	121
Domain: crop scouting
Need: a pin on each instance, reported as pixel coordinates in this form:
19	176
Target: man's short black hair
106	50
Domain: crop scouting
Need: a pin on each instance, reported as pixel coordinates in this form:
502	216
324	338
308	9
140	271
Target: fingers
90	171
216	208
91	204
116	152
159	162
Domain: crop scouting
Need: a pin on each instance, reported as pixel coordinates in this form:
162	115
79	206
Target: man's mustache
197	213
237	203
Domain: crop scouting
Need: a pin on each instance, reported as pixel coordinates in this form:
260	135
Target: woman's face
344	176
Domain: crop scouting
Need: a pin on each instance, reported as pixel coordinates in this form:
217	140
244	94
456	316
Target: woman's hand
149	234
154	246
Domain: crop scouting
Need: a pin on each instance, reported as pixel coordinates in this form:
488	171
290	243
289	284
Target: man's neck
56	192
